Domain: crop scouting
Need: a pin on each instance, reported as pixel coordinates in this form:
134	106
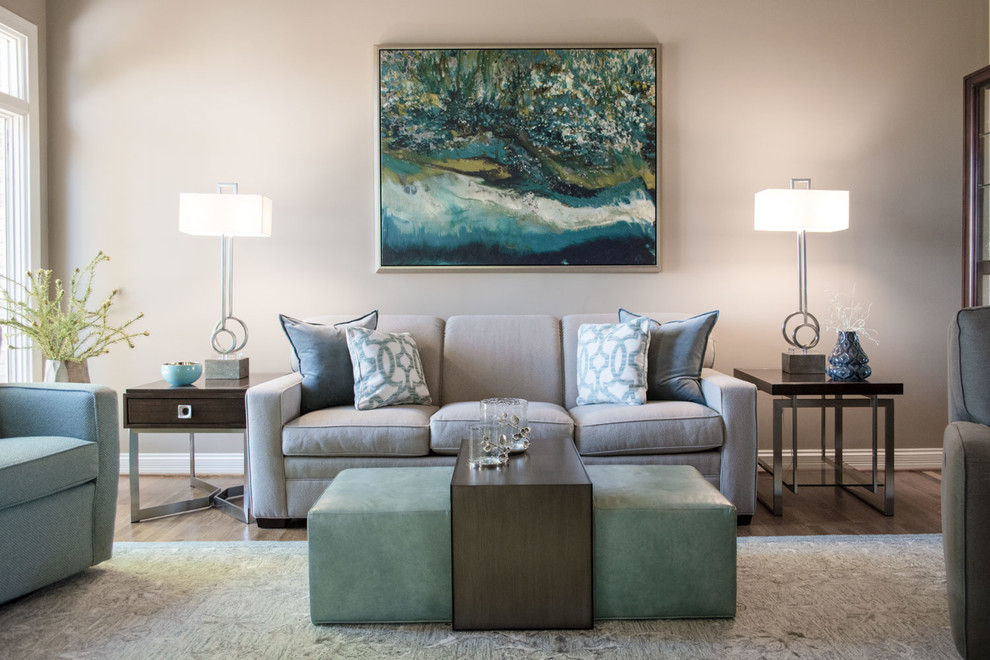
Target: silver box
226	369
802	363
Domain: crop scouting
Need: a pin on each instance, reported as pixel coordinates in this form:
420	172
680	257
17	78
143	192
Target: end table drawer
191	412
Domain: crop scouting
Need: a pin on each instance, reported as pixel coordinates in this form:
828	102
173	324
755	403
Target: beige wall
151	98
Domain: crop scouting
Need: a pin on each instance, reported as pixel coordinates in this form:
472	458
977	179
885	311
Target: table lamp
226	215
802	210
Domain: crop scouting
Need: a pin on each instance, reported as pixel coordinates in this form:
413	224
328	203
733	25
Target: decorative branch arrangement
848	315
520	434
61	326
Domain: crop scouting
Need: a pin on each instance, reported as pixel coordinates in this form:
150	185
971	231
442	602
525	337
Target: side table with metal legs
216	497
213	406
795	391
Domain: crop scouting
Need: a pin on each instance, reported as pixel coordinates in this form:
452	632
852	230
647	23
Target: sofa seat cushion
657	427
344	431
38	466
449	425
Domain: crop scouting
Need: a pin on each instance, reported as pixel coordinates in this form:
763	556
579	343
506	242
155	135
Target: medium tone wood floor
810	511
829	510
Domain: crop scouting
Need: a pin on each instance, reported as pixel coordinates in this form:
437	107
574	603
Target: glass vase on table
509	415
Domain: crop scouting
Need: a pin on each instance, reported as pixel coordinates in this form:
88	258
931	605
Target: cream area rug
798	597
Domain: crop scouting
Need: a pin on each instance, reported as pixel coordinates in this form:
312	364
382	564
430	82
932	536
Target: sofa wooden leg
272	523
742	521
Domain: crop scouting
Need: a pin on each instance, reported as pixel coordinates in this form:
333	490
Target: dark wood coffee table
521	541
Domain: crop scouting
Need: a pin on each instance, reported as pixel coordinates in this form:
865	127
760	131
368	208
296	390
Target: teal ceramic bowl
181	373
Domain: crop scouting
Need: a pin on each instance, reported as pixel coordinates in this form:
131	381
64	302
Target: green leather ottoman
665	543
379	547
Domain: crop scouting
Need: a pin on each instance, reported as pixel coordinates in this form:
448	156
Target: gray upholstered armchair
59	457
966	482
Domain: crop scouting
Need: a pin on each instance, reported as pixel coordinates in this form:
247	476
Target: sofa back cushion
569	329
969	366
426	330
502	355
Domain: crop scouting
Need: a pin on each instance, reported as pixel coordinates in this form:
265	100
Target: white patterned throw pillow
611	362
387	369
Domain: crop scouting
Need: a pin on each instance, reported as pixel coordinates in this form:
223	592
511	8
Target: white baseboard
233	463
862	459
206	463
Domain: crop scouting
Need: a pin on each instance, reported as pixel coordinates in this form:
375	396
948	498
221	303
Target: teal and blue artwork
518	158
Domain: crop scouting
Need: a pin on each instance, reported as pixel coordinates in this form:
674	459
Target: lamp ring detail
809	322
221	330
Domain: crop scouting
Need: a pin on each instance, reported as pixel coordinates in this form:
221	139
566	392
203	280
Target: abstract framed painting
518	158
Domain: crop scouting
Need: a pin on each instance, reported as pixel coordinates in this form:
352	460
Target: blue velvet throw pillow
676	356
611	362
324	361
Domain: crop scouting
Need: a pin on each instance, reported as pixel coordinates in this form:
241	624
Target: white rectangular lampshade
214	214
795	209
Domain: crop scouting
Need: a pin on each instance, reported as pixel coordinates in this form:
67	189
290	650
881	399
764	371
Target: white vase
66	371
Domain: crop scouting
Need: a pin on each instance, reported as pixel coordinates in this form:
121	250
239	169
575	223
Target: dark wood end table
521	541
788	390
208	406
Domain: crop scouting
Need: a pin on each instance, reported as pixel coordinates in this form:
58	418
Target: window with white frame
20	171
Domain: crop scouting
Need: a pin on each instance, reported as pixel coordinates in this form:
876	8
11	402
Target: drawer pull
185	411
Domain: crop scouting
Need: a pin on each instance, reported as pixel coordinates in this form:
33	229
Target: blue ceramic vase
848	360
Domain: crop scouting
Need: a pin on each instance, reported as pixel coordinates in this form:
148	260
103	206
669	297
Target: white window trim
23	252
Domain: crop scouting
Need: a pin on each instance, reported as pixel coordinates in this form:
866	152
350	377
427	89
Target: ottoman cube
665	543
379	547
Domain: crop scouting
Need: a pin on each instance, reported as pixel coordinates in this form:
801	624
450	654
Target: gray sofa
966	482
294	456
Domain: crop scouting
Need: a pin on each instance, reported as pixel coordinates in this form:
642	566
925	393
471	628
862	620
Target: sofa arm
965	511
735	400
270	406
73	410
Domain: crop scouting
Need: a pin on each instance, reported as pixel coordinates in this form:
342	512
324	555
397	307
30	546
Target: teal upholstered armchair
59	457
966	482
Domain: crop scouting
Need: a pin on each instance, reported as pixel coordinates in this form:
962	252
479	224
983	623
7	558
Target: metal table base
842	474
217	497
